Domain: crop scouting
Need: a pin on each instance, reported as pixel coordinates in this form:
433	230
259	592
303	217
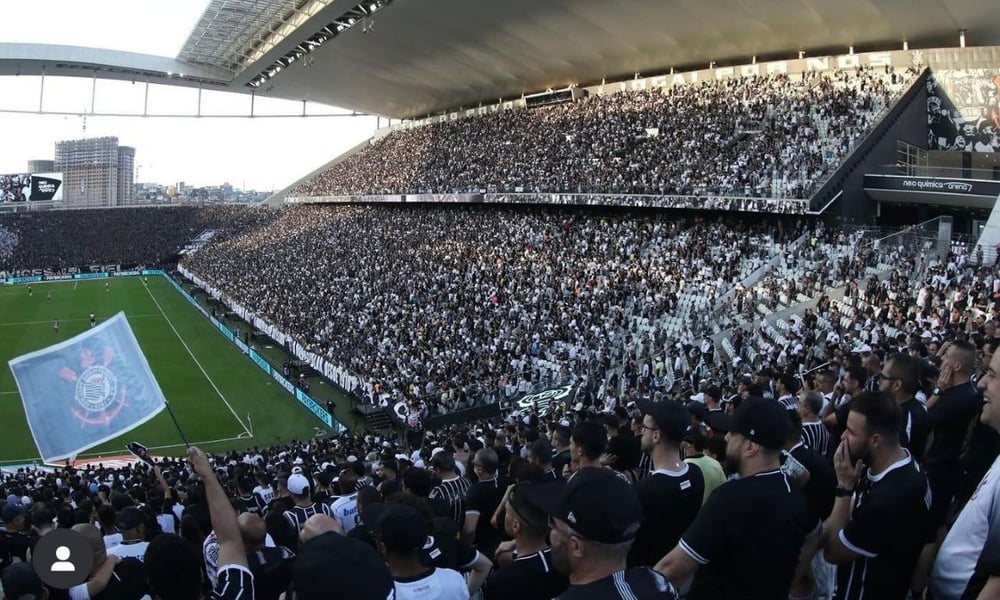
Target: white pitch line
13	392
197	362
49	322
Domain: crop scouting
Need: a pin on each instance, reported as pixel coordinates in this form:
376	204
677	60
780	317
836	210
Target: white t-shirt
441	584
111	540
971	550
130	548
345	511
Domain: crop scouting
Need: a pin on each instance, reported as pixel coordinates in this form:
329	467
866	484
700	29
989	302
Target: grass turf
198	369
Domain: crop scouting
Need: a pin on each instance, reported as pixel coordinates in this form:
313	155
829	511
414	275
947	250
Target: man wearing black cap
673	492
746	540
594	520
132	525
400	536
532	574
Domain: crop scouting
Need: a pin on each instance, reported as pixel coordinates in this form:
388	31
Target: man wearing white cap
299	488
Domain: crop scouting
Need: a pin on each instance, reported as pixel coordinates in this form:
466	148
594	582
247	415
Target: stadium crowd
772	492
766	136
462	304
56	240
8	241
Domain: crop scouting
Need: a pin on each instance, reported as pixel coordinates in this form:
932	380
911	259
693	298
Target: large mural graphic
963	110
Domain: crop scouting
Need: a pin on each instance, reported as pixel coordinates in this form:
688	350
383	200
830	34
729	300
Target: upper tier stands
133	236
765	136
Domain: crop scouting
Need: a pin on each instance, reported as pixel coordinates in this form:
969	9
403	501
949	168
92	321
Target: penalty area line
246	430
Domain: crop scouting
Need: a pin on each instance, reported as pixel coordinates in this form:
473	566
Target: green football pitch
221	399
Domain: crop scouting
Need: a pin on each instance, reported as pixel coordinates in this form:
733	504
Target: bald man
124	577
317	525
271	566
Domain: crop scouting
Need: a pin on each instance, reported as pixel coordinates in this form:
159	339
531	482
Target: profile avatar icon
63	565
63	558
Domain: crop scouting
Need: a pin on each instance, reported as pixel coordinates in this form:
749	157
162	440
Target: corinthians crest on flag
87	390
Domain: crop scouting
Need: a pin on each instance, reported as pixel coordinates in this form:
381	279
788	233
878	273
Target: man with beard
673	492
745	541
593	521
881	516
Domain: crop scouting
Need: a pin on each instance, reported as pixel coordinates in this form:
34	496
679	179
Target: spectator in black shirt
420	482
530	573
815	435
14	542
452	488
19	581
746	540
950	411
672	493
593	521
481	502
388	472
587	443
900	378
560	447
253	502
881	516
540	455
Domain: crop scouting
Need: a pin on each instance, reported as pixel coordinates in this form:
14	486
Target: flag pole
177	424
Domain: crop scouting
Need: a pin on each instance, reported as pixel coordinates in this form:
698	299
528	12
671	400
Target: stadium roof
412	58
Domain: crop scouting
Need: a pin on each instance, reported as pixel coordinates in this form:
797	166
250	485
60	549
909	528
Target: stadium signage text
314	407
971	187
283	382
257	358
951	186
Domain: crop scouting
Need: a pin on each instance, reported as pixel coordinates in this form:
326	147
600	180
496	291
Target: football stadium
688	251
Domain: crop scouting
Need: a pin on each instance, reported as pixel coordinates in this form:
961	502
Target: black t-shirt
13	545
747	539
530	577
272	571
560	460
670	502
362	534
484	498
915	428
235	583
127	582
888	528
637	582
821	488
949	420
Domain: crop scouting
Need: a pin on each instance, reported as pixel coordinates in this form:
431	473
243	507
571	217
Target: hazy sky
259	153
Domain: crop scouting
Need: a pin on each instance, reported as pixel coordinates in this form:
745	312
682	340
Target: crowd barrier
303	399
